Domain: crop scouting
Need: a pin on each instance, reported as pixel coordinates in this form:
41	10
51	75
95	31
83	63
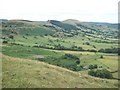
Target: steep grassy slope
63	25
21	73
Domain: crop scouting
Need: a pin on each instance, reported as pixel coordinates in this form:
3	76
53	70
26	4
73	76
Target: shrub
94	46
101	56
70	56
11	37
5	41
87	43
93	66
74	67
78	69
101	73
78	61
59	47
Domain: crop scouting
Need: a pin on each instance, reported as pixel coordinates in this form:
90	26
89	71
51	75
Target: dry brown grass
24	73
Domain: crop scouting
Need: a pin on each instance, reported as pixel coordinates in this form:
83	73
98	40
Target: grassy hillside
21	73
70	44
16	27
48	34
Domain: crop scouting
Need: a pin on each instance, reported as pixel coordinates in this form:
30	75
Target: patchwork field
109	61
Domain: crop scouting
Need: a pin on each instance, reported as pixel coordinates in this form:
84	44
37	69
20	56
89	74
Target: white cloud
83	10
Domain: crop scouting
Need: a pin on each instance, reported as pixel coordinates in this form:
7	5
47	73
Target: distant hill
52	27
71	21
63	25
3	20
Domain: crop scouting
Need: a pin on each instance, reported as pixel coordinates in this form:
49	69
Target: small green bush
5	41
93	66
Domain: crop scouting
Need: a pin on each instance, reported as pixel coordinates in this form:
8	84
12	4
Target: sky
43	10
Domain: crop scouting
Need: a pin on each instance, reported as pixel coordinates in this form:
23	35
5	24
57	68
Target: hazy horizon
82	10
59	20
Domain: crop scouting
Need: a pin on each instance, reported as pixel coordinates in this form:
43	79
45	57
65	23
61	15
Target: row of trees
103	41
60	47
110	50
70	56
76	48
